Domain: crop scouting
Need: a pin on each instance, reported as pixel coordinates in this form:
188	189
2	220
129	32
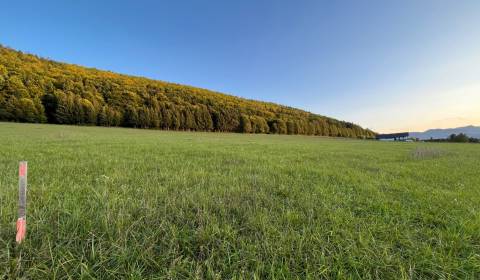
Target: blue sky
386	65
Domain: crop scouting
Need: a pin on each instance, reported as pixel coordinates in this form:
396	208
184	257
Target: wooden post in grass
22	202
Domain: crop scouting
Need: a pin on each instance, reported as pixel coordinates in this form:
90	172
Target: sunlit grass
123	203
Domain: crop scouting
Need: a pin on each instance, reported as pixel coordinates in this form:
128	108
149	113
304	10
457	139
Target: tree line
456	138
38	90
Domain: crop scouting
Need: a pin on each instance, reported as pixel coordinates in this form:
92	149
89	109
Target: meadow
116	203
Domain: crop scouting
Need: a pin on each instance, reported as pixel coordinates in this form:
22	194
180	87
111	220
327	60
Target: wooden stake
22	202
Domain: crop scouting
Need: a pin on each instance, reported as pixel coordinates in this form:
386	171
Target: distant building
403	136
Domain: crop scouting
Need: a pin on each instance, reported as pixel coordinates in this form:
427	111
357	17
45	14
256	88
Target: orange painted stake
22	202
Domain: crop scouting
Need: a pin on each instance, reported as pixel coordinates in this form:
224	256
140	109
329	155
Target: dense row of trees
457	138
33	89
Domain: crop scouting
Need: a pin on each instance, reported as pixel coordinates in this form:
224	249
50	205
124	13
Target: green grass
112	203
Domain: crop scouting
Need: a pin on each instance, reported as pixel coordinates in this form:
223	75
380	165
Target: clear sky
386	65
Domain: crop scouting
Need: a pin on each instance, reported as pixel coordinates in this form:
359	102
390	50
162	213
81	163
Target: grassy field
114	203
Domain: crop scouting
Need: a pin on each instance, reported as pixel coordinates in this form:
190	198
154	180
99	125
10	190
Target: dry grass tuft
420	153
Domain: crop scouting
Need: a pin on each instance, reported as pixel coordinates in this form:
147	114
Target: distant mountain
472	131
34	89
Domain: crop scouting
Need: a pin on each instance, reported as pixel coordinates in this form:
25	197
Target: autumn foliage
38	90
